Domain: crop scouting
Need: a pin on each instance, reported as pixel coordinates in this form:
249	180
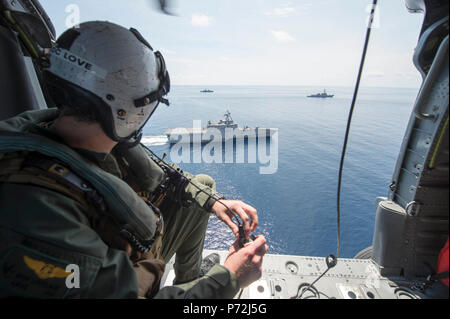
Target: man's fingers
260	241
245	212
257	260
252	212
258	247
262	250
245	219
234	228
234	248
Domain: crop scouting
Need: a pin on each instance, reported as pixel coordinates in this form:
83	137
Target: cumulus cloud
200	20
407	75
282	36
289	10
375	74
281	12
167	51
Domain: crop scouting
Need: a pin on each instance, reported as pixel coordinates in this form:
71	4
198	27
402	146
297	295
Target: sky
265	42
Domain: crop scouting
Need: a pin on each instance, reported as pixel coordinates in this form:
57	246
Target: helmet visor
128	125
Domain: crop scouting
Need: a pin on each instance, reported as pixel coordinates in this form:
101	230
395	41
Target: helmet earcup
64	93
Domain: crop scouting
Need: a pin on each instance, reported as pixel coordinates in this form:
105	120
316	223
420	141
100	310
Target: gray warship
322	95
220	131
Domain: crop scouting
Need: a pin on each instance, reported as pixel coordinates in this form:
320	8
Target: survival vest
136	219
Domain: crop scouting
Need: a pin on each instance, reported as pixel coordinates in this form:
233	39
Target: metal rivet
122	113
393	186
59	169
84	185
147	101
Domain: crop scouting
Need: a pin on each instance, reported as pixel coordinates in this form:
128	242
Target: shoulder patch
28	273
43	270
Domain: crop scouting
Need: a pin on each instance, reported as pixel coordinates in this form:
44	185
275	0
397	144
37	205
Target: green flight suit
42	231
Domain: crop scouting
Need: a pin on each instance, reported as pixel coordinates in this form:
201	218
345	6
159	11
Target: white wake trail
155	140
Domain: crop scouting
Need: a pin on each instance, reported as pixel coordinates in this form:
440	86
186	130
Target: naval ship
221	131
323	95
411	223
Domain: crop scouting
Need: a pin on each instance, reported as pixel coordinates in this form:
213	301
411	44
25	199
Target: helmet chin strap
132	142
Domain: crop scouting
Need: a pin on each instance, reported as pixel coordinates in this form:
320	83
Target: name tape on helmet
74	60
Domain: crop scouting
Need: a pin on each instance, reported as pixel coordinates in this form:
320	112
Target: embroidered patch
45	271
28	273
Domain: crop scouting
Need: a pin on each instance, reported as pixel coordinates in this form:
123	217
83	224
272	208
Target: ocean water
297	204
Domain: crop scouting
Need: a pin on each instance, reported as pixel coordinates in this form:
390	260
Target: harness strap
56	168
12	170
39	170
438	277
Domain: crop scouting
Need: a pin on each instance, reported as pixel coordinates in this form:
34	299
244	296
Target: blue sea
297	204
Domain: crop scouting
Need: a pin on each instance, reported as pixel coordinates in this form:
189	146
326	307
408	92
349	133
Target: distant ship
322	95
205	135
207	91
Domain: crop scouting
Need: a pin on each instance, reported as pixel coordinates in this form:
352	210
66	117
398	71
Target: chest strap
37	169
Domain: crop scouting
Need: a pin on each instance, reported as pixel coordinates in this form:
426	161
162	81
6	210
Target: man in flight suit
78	189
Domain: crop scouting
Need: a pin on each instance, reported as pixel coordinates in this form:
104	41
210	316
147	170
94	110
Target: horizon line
298	85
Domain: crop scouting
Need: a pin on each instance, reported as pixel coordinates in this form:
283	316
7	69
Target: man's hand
246	263
244	211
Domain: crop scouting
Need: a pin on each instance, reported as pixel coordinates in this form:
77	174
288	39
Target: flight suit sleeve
218	283
203	192
44	227
145	169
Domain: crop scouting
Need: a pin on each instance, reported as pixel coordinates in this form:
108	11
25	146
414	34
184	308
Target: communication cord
349	123
161	161
332	260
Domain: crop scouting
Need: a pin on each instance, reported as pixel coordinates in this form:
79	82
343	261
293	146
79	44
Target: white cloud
407	75
200	20
167	51
281	12
289	10
282	36
375	74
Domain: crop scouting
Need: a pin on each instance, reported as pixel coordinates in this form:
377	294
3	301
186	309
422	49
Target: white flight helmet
104	66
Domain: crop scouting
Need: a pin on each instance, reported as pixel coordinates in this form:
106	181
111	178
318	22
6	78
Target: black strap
152	97
440	276
46	163
164	86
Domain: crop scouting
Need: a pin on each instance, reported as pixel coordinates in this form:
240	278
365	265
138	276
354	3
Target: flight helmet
111	70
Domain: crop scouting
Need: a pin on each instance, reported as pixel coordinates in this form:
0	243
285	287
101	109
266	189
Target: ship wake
155	140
